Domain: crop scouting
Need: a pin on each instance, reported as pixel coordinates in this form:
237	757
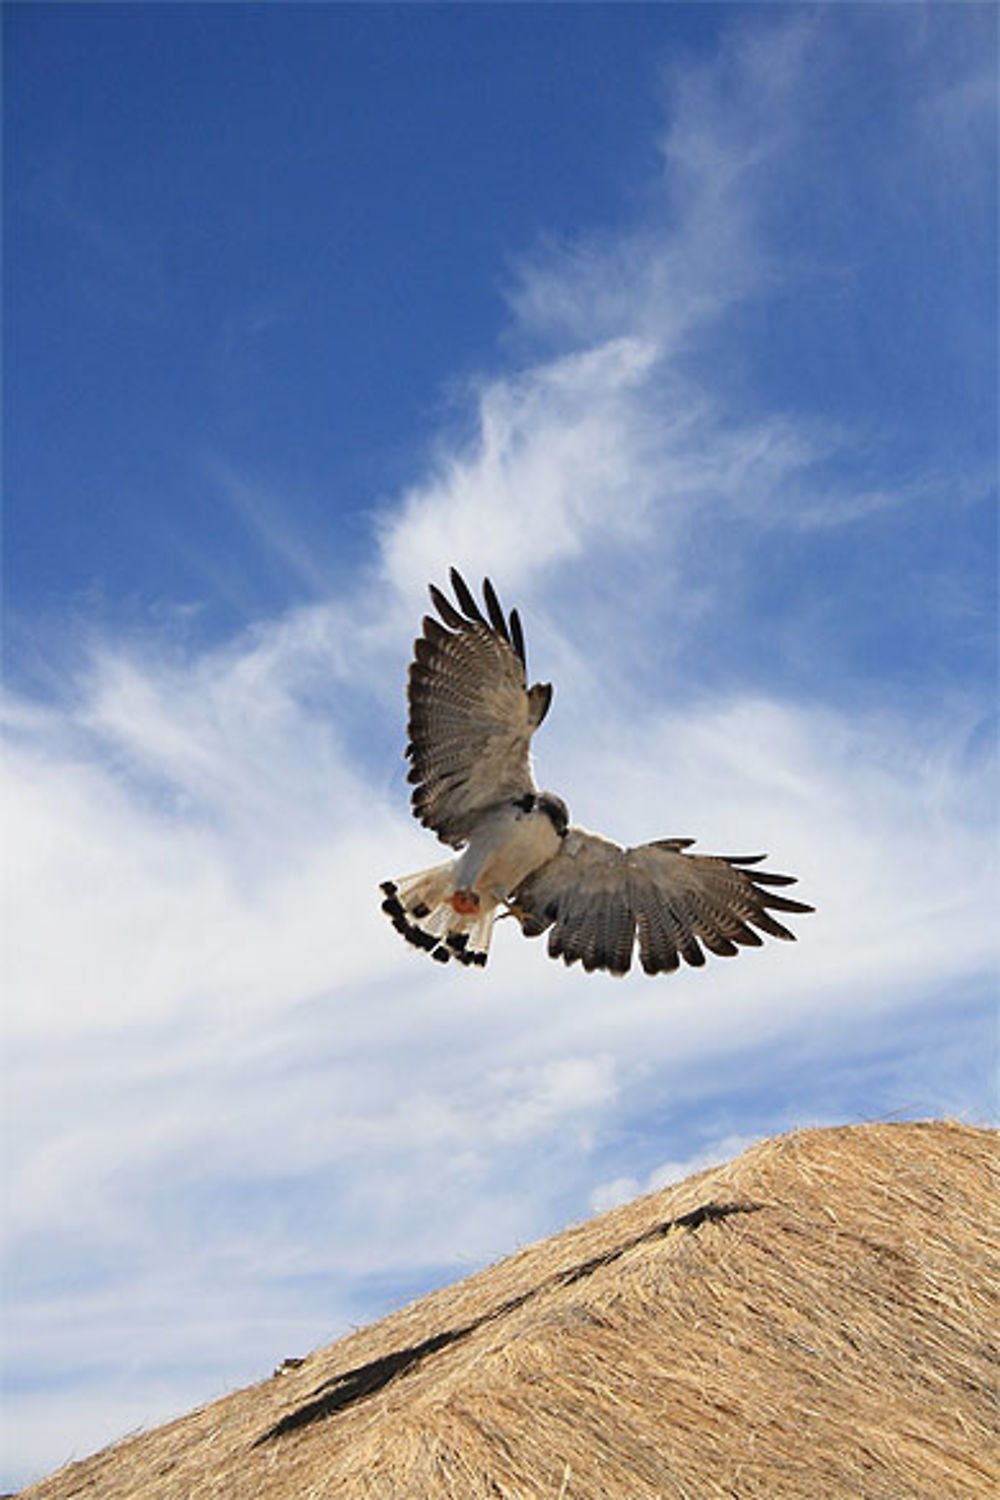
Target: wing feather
517	639
472	714
466	598
597	900
446	609
494	611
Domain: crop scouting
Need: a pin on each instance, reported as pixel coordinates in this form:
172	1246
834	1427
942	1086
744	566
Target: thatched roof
812	1321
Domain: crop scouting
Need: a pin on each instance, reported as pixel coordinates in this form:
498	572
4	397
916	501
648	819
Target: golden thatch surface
813	1321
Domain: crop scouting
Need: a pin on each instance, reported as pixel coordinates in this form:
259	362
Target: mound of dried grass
812	1321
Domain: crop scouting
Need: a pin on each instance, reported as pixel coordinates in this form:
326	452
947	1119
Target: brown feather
471	713
598	899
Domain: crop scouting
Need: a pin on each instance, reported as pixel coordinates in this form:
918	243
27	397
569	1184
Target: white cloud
623	1189
557	459
604	440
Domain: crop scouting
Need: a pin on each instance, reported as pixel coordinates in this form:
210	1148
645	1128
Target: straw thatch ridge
342	1390
813	1321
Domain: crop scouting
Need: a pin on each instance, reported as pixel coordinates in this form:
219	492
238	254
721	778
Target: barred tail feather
419	906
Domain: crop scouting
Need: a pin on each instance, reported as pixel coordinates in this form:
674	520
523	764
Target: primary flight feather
472	716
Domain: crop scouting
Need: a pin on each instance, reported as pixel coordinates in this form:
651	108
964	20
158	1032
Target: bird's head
555	810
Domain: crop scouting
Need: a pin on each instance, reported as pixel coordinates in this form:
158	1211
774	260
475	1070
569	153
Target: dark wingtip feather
494	611
434	630
517	636
782	903
767	923
445	608
539	700
691	952
465	597
768	877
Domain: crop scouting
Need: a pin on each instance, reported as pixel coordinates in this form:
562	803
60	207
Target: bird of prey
472	716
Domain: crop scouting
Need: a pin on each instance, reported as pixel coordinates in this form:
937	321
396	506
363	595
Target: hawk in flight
472	716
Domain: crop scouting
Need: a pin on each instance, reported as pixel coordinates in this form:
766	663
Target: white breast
505	852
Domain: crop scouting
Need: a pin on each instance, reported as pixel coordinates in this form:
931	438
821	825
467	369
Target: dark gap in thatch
365	1380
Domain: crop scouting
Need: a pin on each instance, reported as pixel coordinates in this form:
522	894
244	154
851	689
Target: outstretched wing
472	714
597	898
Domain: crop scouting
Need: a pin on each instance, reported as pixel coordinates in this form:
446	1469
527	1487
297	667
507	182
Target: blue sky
678	321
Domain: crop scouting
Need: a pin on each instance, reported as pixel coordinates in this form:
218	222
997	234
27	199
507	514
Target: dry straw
814	1321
